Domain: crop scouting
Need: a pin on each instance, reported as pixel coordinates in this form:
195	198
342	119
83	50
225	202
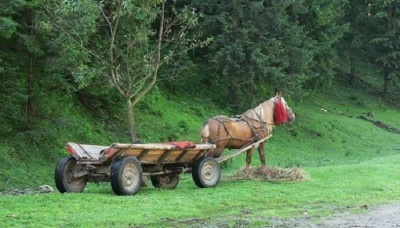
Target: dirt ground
385	216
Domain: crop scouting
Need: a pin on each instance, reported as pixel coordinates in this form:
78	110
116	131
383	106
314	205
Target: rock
28	191
45	189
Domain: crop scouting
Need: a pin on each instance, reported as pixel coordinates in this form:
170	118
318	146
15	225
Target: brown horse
247	128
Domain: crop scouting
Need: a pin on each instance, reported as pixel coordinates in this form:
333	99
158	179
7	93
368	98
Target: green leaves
280	43
7	27
125	40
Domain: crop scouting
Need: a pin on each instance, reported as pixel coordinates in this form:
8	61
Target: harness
257	127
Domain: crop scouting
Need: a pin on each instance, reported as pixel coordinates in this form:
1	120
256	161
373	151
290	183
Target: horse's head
282	112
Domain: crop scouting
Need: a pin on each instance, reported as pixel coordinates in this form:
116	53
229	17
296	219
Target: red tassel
280	115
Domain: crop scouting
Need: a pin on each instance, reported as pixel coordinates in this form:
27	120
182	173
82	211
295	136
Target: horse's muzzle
291	117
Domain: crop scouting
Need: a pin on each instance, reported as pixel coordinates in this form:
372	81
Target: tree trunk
131	118
30	77
352	75
386	80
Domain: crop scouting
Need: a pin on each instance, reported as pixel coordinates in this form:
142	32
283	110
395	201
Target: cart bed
147	153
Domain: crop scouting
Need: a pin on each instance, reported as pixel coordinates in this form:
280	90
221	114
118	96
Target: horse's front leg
261	151
248	162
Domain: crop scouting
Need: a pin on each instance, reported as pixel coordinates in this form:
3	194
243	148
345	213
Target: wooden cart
124	165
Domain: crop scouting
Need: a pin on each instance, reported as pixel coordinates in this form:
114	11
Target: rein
256	131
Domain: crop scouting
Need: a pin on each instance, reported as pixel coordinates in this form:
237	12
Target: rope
255	131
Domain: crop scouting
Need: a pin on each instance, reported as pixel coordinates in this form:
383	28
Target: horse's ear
278	93
278	96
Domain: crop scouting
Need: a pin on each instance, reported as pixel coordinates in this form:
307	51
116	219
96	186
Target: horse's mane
264	112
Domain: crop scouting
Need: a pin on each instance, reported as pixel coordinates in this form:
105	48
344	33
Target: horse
249	127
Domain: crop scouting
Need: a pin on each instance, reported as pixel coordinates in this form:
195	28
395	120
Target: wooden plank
142	154
239	151
159	146
163	153
179	159
164	156
85	151
199	155
146	146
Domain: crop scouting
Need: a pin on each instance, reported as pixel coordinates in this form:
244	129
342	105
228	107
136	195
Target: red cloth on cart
183	144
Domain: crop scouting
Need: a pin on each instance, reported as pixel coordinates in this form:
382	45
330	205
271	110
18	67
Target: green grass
351	163
330	189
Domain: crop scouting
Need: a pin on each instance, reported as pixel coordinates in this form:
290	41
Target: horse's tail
205	133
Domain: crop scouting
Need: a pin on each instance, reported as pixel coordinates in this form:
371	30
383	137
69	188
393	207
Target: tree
20	49
386	41
354	46
125	40
8	70
263	43
322	22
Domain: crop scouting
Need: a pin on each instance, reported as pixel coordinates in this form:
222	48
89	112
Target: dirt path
386	216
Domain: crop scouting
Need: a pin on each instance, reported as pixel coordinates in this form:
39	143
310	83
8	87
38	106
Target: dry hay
276	174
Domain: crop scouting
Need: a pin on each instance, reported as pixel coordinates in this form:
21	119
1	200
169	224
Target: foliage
126	41
372	42
270	44
386	44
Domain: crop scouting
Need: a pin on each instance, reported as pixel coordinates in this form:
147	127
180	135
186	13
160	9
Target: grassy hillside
352	165
327	132
158	120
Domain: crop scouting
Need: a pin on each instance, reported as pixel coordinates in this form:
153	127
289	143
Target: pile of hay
277	174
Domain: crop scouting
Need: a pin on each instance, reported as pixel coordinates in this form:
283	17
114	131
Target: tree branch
113	31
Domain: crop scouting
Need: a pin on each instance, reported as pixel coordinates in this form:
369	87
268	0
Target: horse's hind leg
264	168
248	162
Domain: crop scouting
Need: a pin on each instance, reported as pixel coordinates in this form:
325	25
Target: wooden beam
239	151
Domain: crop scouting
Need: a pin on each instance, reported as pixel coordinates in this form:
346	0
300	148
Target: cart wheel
165	181
64	176
126	176
206	172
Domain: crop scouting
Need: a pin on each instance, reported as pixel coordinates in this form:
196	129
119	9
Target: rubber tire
169	181
63	176
206	172
126	176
